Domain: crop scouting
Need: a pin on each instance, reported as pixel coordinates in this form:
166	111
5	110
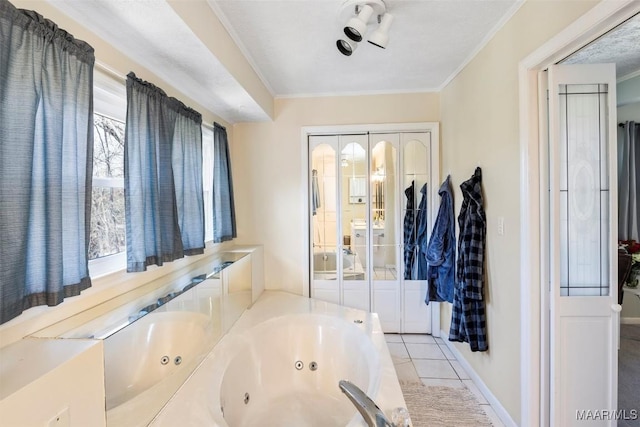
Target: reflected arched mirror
353	168
384	215
323	209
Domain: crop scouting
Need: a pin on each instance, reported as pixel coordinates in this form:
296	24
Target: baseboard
491	398
630	320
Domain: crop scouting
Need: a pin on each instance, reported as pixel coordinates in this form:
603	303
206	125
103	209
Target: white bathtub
292	365
325	266
326	262
251	378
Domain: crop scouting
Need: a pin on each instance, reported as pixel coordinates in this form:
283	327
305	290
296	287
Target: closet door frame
434	201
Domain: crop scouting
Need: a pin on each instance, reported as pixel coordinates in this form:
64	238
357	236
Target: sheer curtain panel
224	213
46	147
163	195
629	182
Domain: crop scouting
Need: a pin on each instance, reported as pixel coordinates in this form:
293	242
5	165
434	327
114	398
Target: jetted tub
288	371
280	365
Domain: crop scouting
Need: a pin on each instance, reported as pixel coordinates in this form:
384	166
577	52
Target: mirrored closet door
366	210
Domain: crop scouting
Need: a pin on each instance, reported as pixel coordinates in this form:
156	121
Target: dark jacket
421	226
441	250
409	236
415	235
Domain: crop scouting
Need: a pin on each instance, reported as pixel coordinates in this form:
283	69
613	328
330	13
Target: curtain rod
110	72
123	79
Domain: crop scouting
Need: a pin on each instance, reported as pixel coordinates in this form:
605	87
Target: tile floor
428	359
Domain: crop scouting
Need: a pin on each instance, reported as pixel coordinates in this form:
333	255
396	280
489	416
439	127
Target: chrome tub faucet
371	413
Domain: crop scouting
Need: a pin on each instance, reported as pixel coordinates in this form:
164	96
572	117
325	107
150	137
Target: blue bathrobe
441	250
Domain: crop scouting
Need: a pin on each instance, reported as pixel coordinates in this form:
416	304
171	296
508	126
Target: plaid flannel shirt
409	236
468	318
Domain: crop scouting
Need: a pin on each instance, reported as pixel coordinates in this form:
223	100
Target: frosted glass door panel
584	191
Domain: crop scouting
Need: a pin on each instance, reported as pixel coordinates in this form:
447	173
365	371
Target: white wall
629	112
628	91
480	128
269	175
41	378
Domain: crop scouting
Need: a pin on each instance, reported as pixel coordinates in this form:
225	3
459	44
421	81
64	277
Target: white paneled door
584	318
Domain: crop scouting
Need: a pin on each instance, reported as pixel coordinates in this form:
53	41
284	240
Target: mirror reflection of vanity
358	239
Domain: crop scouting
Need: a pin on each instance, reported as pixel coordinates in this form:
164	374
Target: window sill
105	266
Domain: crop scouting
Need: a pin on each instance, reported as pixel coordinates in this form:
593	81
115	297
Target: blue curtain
46	147
187	176
160	148
629	182
224	213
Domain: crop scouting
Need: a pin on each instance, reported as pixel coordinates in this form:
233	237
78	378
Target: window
207	181
107	204
108	214
107	236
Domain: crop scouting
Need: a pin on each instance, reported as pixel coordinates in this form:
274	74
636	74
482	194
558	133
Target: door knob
617	308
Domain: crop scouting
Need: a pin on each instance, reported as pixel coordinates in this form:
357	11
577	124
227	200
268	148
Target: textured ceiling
621	46
293	43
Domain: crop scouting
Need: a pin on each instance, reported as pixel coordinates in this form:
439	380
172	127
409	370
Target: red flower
631	246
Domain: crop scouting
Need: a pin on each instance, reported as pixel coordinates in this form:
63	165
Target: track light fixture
357	14
357	25
346	46
380	36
